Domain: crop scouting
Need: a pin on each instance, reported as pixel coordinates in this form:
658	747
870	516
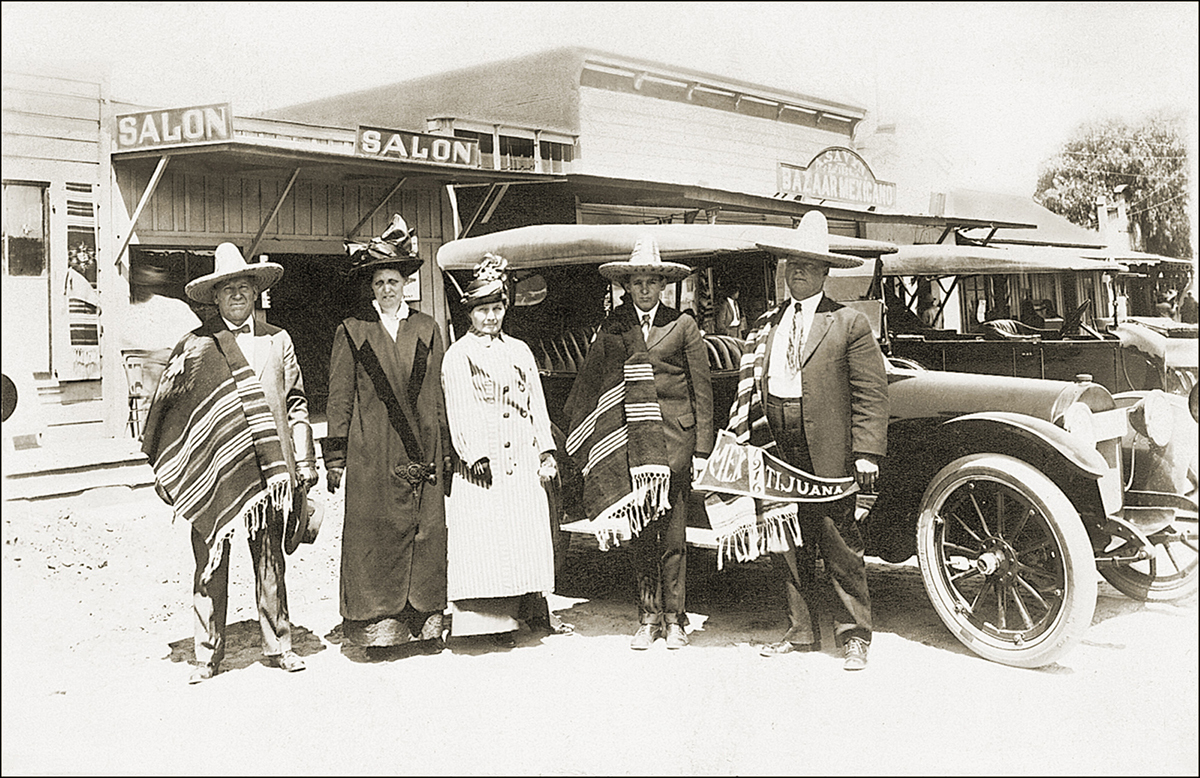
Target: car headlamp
1078	421
1152	418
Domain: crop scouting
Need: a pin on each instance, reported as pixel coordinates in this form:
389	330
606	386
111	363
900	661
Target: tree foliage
1148	157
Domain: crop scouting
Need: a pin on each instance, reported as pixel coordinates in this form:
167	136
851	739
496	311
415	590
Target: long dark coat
393	541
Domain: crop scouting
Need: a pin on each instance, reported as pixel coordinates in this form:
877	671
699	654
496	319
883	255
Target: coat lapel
822	320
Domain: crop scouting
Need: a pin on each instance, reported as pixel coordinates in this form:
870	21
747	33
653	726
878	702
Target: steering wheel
1073	320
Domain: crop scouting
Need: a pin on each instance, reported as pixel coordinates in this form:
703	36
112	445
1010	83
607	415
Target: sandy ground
97	638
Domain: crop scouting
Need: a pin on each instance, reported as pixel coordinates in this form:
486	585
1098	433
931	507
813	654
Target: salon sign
416	147
175	127
836	174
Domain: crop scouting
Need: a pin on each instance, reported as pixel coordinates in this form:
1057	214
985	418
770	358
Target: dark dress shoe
787	647
288	661
504	640
644	637
201	673
676	637
854	654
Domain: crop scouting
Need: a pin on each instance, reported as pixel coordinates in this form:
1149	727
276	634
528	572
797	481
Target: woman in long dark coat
387	432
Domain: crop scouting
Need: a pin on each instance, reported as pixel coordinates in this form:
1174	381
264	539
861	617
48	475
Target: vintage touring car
1012	492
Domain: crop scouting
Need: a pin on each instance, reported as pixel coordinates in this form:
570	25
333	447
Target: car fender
1081	456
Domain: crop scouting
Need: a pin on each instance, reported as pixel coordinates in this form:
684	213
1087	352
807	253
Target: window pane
24	230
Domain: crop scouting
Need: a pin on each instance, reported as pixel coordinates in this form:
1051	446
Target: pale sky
996	87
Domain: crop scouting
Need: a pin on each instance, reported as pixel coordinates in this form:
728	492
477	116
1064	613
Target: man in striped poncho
229	440
641	424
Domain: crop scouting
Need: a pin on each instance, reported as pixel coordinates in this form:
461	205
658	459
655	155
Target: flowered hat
488	285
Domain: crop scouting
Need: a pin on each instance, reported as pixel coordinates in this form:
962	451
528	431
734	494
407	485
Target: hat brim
405	266
265	274
831	259
304	523
671	271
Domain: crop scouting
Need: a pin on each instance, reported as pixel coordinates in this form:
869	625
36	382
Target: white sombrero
645	259
229	263
811	242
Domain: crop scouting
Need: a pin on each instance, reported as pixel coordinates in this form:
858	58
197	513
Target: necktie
242	330
645	326
795	340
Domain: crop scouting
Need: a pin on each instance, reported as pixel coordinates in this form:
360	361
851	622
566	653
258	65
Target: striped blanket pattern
211	440
619	443
746	534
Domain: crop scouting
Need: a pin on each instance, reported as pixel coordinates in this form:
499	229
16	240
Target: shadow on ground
243	646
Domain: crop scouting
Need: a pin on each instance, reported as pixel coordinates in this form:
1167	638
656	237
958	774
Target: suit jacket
724	325
681	379
845	387
274	362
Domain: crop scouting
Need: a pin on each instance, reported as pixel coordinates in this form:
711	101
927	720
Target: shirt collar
810	303
652	313
401	312
249	320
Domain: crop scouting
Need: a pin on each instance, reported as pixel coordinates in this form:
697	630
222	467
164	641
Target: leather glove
865	474
447	474
482	471
307	475
549	468
333	478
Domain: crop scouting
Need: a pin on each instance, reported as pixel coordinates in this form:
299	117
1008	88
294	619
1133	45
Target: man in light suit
824	393
259	358
679	360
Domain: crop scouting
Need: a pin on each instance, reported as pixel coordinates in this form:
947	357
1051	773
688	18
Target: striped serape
212	442
742	533
617	438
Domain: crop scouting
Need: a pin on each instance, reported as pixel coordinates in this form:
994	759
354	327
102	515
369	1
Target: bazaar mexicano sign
837	174
416	147
175	127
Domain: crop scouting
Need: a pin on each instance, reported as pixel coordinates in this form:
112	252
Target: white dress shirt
245	340
781	381
641	315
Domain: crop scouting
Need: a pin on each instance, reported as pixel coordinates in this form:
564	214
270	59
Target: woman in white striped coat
497	519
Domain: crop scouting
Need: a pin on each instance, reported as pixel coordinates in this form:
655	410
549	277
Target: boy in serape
641	427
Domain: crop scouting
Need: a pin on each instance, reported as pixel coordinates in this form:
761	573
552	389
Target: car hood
916	394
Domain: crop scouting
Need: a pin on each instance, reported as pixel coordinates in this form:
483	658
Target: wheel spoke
960	549
1001	611
1033	592
1038	572
1170	555
1000	510
968	530
1024	613
979	595
979	513
1021	525
964	575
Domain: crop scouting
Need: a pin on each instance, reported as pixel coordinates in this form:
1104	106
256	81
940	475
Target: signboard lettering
751	472
175	127
837	174
416	146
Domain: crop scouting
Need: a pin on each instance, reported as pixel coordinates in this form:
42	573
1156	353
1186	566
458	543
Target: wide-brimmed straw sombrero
644	259
396	248
229	263
811	242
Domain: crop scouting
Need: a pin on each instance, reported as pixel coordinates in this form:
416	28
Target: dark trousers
210	601
828	529
660	559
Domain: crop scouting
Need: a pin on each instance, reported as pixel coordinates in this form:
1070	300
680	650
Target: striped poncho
212	441
616	438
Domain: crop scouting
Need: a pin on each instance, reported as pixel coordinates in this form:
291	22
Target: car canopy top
950	260
583	244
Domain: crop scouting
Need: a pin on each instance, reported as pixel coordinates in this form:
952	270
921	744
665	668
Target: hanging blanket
617	438
212	442
747	533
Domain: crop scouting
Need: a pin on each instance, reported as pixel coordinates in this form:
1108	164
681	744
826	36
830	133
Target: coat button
507	444
506	414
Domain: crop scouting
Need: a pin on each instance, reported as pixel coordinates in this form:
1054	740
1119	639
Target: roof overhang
684	197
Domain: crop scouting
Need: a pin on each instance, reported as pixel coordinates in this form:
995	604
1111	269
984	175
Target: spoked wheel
1172	573
1006	560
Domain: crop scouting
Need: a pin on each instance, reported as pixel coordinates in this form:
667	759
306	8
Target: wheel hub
998	558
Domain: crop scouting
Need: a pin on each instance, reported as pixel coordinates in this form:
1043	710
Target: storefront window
25	243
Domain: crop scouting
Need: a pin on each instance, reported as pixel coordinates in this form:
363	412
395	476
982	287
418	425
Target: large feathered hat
489	283
396	248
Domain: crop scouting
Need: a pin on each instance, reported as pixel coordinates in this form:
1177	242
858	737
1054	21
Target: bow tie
242	330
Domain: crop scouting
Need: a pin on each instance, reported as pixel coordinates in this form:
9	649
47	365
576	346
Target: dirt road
97	638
